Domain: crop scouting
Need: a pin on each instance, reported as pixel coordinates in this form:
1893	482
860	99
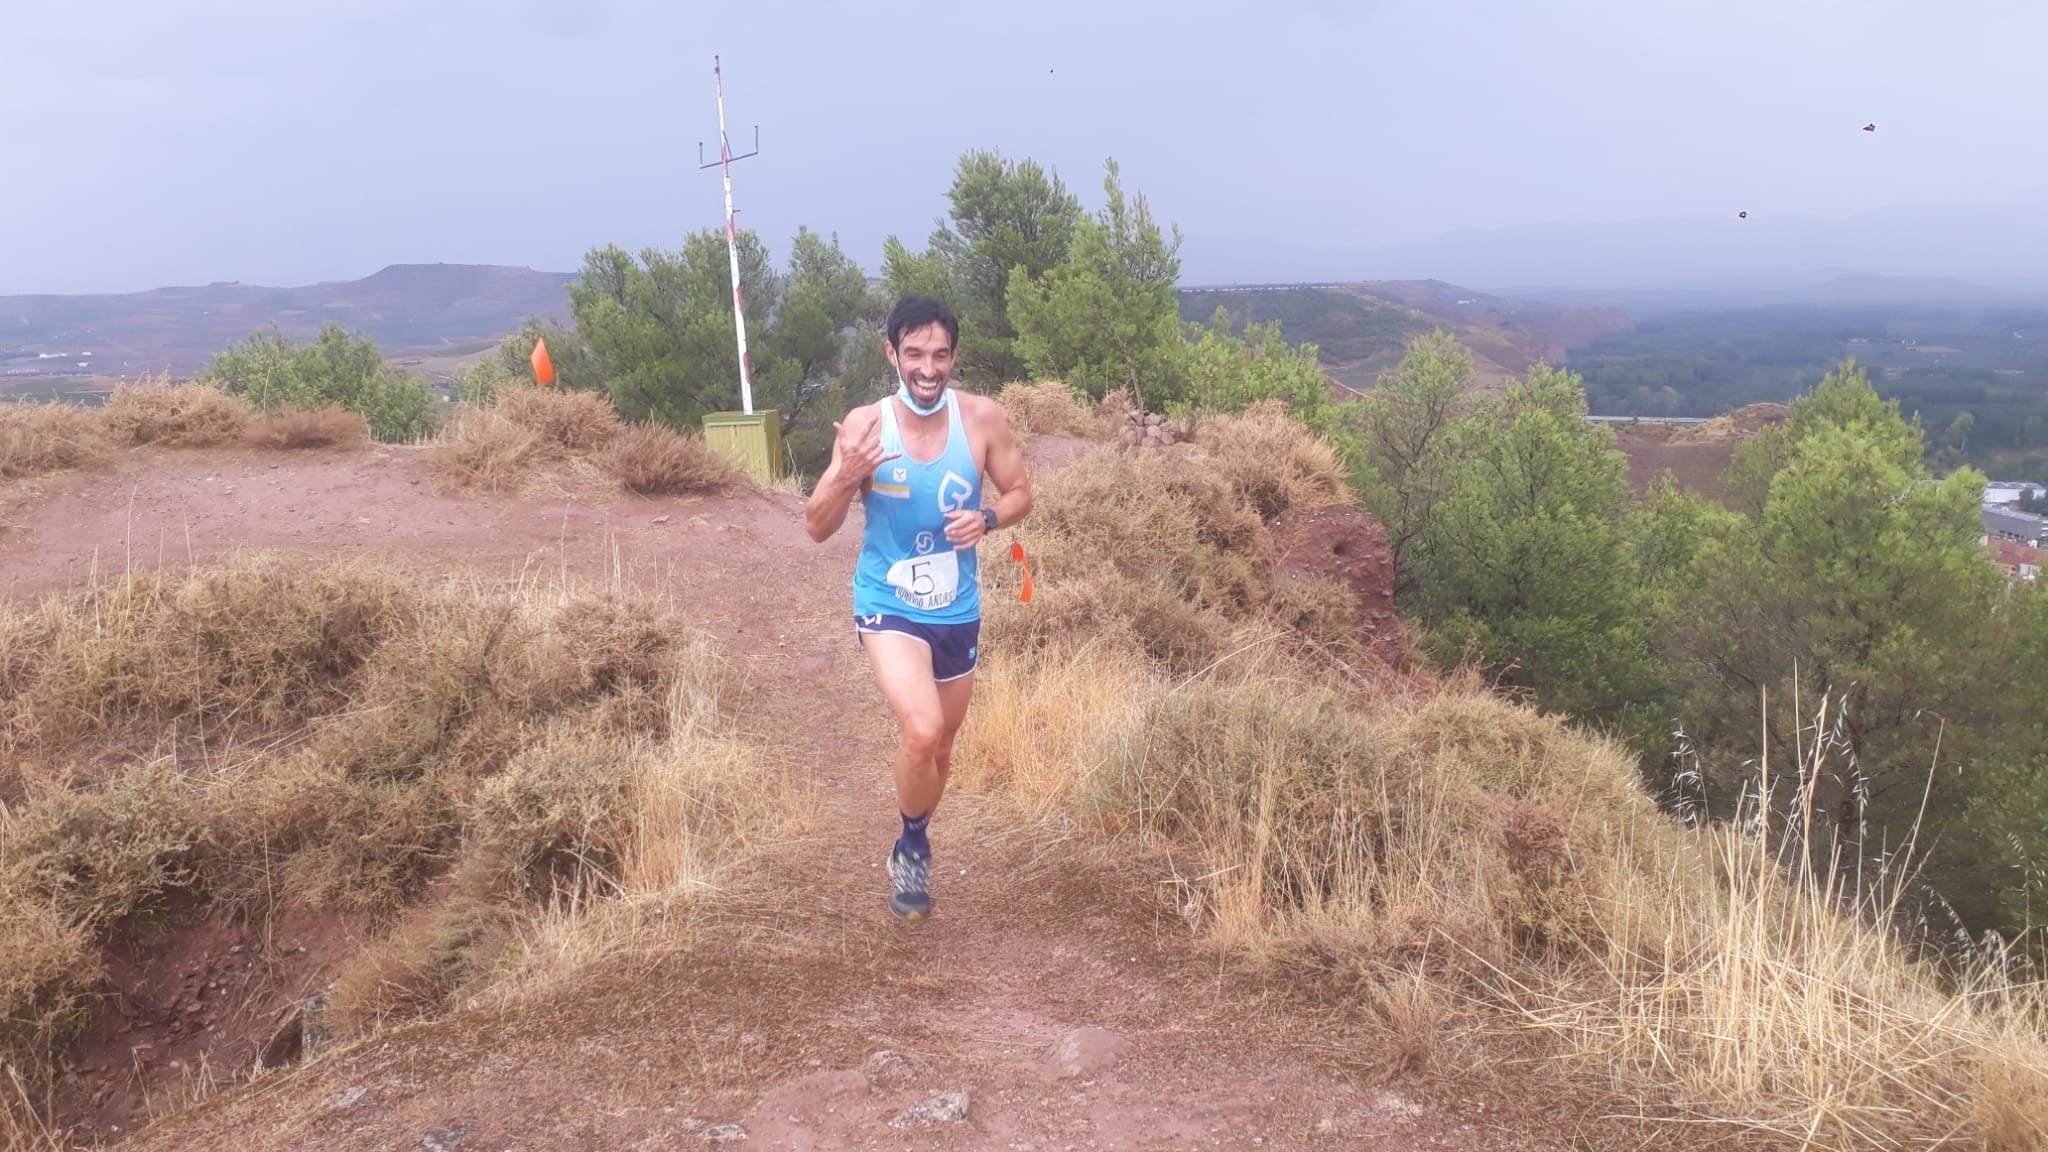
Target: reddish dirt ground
1343	544
858	1018
1697	454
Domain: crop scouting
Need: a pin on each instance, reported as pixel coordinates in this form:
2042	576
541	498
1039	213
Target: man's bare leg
903	670
927	716
954	696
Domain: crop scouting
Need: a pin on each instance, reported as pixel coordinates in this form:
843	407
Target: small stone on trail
945	1108
1084	1052
446	1139
724	1133
662	519
887	1067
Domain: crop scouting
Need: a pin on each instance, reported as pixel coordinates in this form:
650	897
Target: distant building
2013	491
2019	561
2019	527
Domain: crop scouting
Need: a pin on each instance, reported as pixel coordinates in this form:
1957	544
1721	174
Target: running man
915	461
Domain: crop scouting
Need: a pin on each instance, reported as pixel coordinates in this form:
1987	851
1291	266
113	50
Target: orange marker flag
543	368
1017	554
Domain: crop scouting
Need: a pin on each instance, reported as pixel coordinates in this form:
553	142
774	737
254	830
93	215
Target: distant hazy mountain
404	306
1981	252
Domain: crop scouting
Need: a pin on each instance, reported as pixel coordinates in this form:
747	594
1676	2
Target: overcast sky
155	142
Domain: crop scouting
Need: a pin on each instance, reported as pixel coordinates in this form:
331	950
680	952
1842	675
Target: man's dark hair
914	312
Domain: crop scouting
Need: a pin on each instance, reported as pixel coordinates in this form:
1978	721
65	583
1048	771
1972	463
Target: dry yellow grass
37	438
294	428
1271	462
1050	408
1167	546
174	416
480	450
263	736
1482	886
1476	876
500	448
575	421
655	460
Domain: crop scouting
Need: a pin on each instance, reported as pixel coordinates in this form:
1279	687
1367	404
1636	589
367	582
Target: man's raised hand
860	446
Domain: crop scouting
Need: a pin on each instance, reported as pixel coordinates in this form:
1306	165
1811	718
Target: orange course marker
1017	554
543	367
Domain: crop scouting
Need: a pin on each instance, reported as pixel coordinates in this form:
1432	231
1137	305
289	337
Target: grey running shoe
911	876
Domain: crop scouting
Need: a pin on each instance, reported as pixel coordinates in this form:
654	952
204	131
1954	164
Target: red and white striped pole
732	246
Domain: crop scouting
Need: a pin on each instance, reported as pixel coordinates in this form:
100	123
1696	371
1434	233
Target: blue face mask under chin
903	394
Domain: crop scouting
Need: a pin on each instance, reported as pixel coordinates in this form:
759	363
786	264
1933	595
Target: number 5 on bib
928	582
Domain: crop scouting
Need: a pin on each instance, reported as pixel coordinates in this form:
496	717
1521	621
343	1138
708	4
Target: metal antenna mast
732	243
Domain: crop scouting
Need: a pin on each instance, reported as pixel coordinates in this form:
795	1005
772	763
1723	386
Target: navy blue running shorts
955	647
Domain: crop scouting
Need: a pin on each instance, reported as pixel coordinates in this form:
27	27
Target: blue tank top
907	566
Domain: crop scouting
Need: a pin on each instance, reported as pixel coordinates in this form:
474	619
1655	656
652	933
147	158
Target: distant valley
1362	329
55	342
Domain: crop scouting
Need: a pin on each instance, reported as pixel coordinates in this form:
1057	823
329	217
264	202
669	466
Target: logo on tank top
953	492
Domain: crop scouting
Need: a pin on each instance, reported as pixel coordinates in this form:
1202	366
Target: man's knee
923	736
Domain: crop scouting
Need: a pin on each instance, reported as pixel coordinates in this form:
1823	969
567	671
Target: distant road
1648	419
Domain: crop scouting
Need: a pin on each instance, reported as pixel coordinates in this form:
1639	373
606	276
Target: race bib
928	582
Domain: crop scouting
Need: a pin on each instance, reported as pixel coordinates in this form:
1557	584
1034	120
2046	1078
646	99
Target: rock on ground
945	1108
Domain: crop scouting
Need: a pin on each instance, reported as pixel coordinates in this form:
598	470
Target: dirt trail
862	1017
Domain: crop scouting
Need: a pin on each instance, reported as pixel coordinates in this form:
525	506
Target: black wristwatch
988	517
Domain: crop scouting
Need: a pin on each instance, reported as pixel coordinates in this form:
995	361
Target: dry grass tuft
294	428
341	737
655	460
1271	462
433	958
37	438
575	421
257	641
175	416
1168	547
482	451
1050	408
496	449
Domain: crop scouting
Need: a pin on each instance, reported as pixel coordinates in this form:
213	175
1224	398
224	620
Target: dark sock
913	842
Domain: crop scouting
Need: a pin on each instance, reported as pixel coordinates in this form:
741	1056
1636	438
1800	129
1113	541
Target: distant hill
1764	257
1361	329
402	307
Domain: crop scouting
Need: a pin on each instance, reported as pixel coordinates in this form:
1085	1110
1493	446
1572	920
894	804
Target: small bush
485	452
1272	462
49	962
655	460
293	428
37	438
181	416
271	370
1049	408
577	421
1168	547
